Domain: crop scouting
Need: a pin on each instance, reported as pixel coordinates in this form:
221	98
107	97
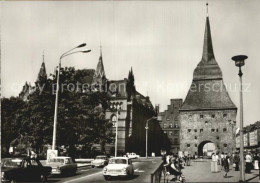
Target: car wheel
106	177
43	178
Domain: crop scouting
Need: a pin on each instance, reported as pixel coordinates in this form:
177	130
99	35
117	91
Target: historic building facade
251	137
134	110
170	123
208	113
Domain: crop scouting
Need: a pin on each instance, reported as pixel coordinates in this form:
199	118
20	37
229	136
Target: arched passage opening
206	148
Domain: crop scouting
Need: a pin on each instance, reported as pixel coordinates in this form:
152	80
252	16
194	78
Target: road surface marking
84	170
73	180
137	170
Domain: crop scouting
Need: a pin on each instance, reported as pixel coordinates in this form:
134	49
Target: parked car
133	155
62	165
23	169
99	161
118	166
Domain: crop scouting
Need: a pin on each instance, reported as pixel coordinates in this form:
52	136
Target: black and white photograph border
130	91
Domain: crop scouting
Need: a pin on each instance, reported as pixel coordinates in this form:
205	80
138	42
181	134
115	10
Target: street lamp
239	62
67	53
116	106
146	134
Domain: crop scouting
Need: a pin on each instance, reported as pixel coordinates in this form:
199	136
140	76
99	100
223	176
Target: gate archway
202	144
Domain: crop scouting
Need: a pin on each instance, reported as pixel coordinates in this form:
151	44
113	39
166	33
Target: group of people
174	164
226	159
223	160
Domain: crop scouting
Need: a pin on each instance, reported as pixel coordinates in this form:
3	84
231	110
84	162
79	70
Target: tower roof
207	91
100	71
100	76
208	67
42	73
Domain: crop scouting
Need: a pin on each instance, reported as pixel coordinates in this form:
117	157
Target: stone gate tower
207	114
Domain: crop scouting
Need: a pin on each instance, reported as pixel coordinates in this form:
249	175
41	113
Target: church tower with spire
99	77
208	114
42	73
27	88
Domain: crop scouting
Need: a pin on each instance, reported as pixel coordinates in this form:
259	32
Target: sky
161	40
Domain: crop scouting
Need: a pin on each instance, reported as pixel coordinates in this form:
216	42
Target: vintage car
118	166
62	165
100	161
132	155
23	169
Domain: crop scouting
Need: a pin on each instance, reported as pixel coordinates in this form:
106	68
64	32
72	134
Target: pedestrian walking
248	163
257	158
236	161
188	160
222	157
226	163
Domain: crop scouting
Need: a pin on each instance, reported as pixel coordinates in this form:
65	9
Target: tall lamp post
239	62
67	53
146	135
116	106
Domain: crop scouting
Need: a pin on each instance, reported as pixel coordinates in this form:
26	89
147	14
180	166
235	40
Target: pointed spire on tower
208	53
131	84
42	73
100	76
43	56
208	67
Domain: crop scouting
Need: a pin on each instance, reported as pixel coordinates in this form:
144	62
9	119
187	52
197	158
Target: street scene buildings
148	102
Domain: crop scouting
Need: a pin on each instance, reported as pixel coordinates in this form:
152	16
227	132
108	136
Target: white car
118	167
100	161
133	155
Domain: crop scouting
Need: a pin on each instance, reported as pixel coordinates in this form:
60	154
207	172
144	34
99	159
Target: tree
11	121
81	113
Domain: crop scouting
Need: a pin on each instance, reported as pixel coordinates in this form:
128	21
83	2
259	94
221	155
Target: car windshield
100	157
118	161
12	162
56	160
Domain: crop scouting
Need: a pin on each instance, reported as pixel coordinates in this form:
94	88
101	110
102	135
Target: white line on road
73	180
85	170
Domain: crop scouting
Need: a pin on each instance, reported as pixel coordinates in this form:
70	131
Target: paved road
143	169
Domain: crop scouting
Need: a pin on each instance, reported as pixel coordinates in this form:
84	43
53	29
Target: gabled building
170	123
208	113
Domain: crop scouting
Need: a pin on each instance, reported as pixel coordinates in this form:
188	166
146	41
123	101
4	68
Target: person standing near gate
248	163
236	161
257	157
226	163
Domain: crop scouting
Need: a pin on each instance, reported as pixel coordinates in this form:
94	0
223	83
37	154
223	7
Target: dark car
24	169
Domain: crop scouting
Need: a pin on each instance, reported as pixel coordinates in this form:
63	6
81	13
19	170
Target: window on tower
189	130
201	116
201	130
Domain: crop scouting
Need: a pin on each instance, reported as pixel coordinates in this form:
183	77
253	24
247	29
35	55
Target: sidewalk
200	171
